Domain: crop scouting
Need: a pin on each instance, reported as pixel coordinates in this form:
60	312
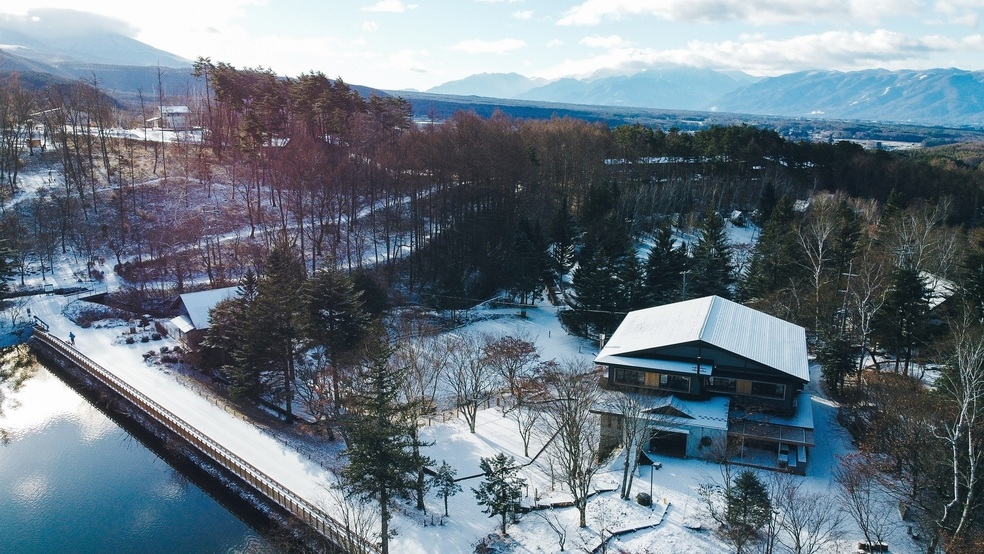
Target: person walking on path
71	337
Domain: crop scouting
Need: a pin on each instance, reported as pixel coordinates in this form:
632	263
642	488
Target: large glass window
674	382
679	383
630	377
745	387
724	384
770	390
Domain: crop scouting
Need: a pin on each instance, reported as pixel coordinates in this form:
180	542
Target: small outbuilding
171	118
190	325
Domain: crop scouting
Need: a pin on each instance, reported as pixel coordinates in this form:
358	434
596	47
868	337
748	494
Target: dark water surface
72	480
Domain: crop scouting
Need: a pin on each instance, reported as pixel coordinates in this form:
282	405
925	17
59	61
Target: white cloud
56	22
554	43
370	26
595	41
389	6
477	46
524	14
407	60
960	12
758	12
760	55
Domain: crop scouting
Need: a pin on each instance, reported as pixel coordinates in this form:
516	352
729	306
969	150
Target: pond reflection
77	482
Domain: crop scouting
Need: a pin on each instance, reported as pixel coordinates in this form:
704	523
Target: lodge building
717	378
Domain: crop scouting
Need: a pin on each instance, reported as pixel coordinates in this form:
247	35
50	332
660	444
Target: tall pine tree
664	269
902	324
607	282
278	316
382	464
334	320
773	266
711	267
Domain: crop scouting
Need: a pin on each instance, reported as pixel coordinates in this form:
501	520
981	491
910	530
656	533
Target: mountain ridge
938	96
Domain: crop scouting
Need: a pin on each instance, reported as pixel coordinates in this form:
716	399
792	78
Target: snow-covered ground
675	514
680	524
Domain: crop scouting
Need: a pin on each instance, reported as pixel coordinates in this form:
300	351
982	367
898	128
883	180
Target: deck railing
337	533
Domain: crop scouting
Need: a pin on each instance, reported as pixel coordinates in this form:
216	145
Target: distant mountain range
931	97
934	97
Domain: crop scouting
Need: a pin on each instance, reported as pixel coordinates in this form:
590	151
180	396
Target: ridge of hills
944	96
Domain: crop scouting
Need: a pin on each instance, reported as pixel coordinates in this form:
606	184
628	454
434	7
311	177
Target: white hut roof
198	304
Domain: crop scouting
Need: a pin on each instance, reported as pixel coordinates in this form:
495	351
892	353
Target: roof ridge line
707	316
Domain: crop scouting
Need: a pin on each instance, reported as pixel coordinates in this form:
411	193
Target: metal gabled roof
721	323
198	304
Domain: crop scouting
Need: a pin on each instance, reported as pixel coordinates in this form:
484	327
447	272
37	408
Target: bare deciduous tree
574	391
424	363
361	519
816	239
512	357
638	421
805	518
862	496
472	381
963	385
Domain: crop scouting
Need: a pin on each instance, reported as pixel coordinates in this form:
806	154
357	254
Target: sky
419	44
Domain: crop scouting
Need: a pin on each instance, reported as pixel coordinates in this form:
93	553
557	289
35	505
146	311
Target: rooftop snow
738	329
198	304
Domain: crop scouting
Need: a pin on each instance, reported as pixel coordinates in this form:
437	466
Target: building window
770	390
745	387
662	381
630	377
674	382
724	384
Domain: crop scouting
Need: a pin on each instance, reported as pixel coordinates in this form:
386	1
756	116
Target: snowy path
274	458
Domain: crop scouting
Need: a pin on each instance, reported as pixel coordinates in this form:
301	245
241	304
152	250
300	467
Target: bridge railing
336	532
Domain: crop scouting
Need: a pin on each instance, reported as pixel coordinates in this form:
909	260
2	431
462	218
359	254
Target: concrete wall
697	445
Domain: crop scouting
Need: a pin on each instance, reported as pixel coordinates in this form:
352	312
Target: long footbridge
334	531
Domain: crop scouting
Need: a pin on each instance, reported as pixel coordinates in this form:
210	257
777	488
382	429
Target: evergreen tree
607	282
747	503
277	316
664	269
501	490
712	270
334	320
374	297
902	323
563	239
382	465
526	263
445	484
836	355
767	203
230	340
971	274
773	266
848	239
